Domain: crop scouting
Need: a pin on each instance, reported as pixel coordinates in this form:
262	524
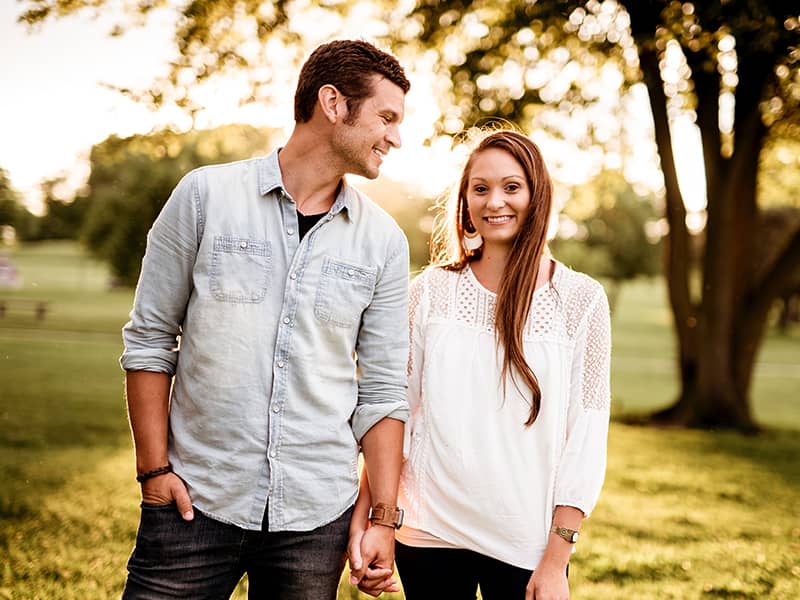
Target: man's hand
371	555
168	488
548	582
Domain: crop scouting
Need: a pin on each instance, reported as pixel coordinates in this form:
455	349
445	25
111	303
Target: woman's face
498	196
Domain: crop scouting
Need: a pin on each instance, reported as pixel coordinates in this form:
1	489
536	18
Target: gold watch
387	515
571	535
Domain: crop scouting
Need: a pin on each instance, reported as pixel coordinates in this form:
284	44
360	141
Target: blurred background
671	130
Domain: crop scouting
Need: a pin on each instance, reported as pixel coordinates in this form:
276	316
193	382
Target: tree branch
777	279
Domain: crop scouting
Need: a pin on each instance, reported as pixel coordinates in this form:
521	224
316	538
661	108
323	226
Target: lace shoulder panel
427	292
578	293
586	310
431	288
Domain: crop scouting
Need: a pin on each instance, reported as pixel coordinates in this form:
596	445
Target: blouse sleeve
415	356
582	466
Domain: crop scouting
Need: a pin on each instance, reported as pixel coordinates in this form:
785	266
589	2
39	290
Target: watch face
574	537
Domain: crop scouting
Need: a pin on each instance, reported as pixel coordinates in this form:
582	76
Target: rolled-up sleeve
151	336
382	346
582	467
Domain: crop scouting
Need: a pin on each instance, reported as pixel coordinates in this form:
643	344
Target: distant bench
37	307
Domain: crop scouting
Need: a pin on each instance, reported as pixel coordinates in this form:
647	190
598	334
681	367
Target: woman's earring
471	241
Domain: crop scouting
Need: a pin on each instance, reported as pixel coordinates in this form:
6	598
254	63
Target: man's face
364	142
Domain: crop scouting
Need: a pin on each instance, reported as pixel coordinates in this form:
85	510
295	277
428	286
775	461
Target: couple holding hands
274	336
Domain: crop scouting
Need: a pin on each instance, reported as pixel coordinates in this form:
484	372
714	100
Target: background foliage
132	178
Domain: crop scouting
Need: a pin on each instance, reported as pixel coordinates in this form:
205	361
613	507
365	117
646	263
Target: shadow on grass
774	450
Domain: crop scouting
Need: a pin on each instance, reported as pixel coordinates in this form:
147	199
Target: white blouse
474	475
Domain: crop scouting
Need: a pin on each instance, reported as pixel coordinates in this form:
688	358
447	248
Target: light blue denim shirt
285	351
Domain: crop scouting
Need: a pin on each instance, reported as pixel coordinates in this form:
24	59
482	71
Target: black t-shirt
306	222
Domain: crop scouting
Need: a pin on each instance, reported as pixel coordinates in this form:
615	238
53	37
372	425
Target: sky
54	105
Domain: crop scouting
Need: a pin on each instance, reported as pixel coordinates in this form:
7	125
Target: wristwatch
387	515
571	535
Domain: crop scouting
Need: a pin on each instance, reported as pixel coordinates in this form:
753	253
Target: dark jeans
455	575
204	559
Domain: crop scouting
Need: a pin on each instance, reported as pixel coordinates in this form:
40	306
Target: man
267	341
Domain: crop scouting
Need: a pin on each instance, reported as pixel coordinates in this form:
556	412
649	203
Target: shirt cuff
366	416
158	361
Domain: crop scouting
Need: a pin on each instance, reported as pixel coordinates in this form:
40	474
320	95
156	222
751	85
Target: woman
509	393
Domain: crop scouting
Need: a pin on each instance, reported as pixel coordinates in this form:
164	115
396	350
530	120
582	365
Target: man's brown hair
349	66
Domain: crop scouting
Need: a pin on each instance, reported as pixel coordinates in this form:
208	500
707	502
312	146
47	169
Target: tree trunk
677	255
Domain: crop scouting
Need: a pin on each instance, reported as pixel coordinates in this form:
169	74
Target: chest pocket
240	269
345	289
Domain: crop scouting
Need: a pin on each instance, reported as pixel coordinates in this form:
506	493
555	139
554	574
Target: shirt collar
270	179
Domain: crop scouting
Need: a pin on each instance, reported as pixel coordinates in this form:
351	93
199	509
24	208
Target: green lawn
643	363
684	514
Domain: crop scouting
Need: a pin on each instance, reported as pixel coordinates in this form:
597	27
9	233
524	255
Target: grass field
643	361
684	514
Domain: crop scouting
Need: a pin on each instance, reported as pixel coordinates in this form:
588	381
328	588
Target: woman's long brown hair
519	277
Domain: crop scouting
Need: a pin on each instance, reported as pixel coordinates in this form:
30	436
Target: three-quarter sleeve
582	467
415	356
382	346
165	283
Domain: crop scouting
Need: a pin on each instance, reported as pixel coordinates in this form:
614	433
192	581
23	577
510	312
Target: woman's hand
370	579
548	582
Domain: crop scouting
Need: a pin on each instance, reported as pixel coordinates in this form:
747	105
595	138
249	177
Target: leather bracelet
154	473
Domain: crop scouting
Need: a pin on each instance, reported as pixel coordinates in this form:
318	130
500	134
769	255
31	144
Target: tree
9	202
62	218
775	225
719	333
132	178
13	212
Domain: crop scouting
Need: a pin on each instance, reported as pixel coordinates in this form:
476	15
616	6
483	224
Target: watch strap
570	535
387	515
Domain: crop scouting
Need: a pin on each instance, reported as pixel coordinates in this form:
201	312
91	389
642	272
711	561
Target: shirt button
293	276
290	231
276	408
351	272
273	453
280	364
243	245
286	320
